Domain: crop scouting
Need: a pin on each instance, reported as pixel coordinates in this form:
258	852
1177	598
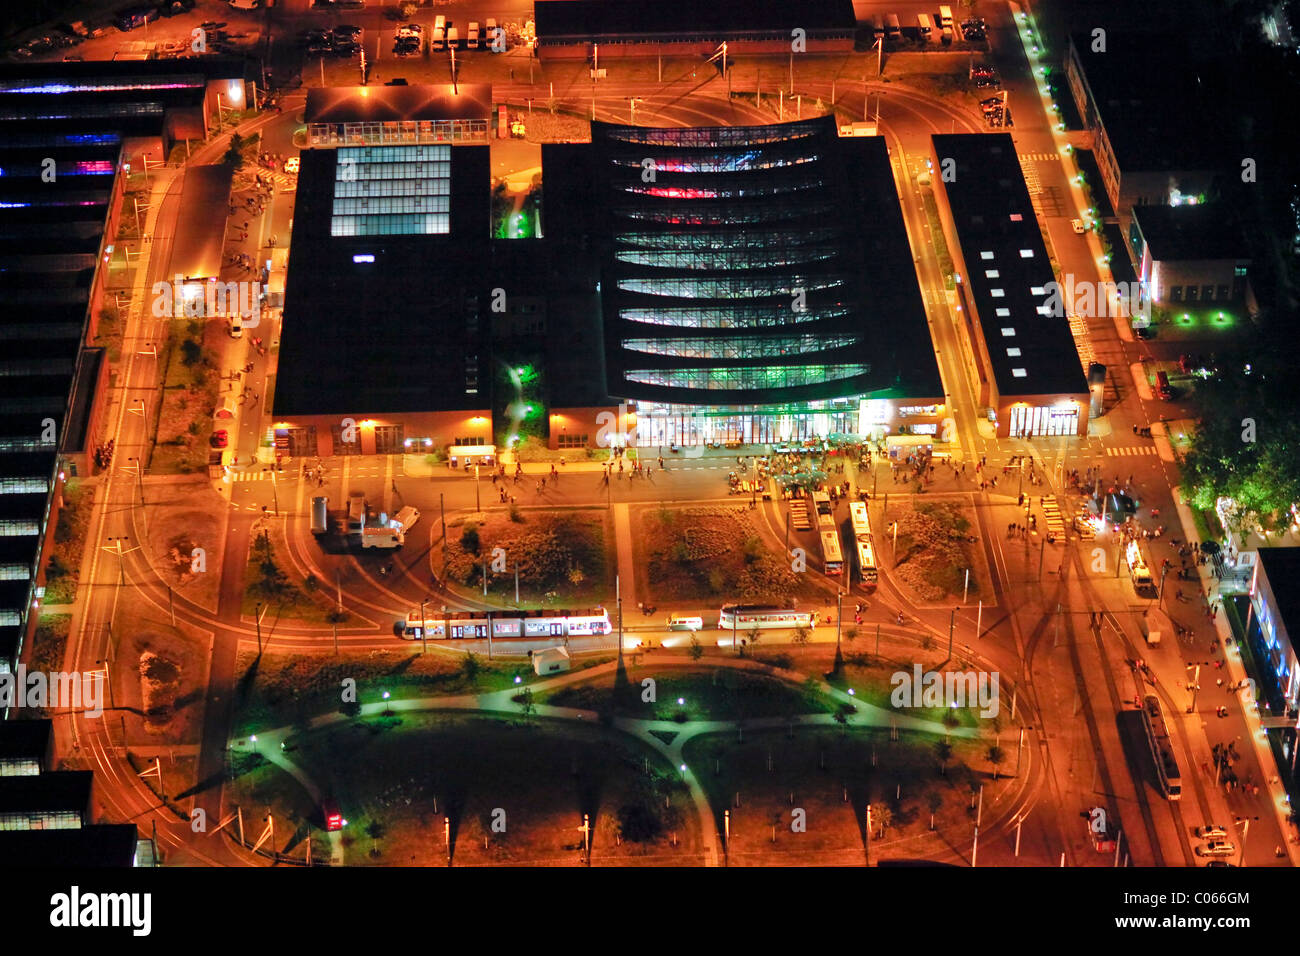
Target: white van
320	515
685	622
892	29
471	38
945	15
405	519
236	327
926	26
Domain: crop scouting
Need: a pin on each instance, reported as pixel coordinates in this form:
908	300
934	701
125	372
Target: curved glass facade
736	348
733	316
747	377
739	287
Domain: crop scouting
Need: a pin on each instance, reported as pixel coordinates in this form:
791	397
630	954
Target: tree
469	540
1244	444
697	649
753	635
996	756
470	667
191	353
526	703
882	816
842	714
235	153
943	750
801	635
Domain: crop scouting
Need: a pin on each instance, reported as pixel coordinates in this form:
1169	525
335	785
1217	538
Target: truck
356	512
925	25
471	38
945	16
405	519
320	515
892	29
379	537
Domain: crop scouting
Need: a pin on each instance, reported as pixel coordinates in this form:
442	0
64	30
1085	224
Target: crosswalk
1040	157
799	517
1131	450
1052	518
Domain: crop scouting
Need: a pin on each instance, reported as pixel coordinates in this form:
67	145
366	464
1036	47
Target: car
408	30
1220	863
220	438
1163	389
347	49
986	81
395	81
320	49
1077	226
1211	832
346	31
291	165
1216	848
1144	331
982	71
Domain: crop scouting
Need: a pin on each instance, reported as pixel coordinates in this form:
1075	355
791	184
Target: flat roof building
26	747
1148	109
398	115
51	801
1025	361
113	845
571	28
1189	254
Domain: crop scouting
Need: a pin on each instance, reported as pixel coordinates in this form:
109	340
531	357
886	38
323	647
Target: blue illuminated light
363	257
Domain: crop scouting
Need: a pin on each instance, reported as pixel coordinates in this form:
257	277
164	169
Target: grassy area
706	694
50	643
938	239
282	689
831	775
64	567
870	679
513	793
562	557
267	585
190	386
931	552
707	554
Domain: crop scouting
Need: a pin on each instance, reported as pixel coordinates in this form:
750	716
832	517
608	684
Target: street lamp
387	710
424	630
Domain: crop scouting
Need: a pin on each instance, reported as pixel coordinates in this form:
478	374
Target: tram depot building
684	285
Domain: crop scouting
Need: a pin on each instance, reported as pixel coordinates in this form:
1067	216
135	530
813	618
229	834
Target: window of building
1002	313
1008	332
991	274
997	293
1207	293
572	441
1026	253
1014	353
1019	373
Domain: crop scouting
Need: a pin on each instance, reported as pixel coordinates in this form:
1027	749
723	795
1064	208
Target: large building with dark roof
1149	110
572	28
1020	349
757	284
71	135
759	287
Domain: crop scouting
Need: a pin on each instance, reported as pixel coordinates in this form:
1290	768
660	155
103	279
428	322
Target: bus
860	518
460	625
748	616
1162	747
819	511
867	564
832	553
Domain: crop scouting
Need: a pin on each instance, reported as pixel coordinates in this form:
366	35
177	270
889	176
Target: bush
469	538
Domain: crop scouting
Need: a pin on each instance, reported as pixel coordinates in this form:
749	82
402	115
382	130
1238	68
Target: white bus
867	564
832	553
819	511
860	518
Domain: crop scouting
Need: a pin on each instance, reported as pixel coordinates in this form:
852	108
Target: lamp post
424	630
257	620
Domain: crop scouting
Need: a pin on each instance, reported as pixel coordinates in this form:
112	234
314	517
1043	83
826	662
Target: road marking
1132	450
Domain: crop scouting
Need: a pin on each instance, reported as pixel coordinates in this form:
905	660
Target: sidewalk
1235	670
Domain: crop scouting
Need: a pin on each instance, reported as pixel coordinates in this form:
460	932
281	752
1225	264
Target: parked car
1077	226
346	31
348	48
220	438
1216	848
1211	832
291	164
